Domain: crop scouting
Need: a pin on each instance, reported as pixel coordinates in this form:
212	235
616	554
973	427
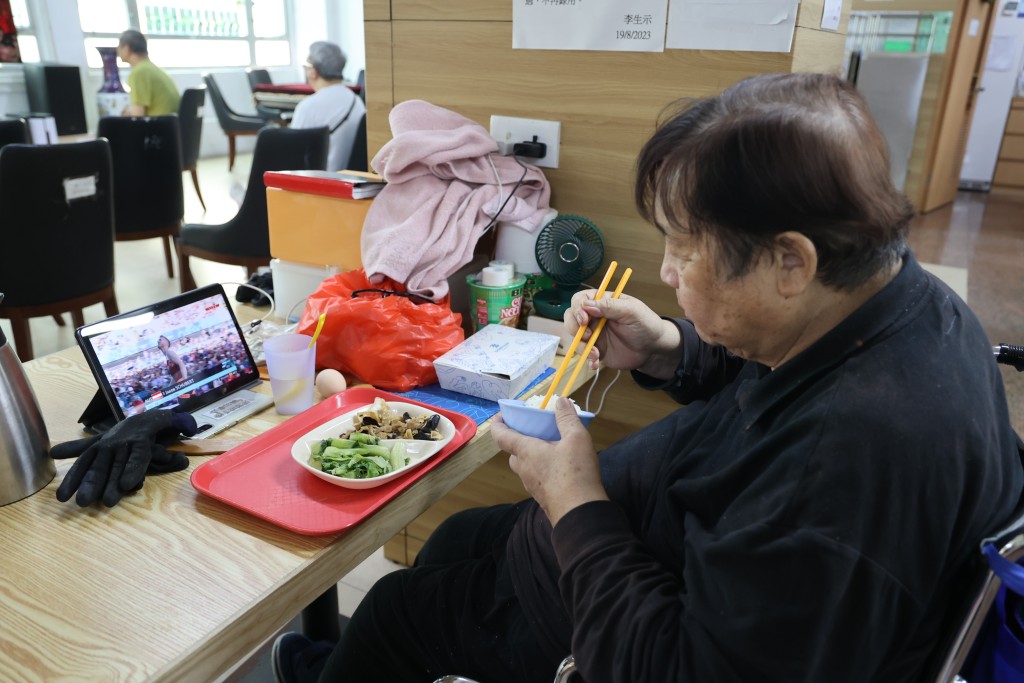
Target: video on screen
170	359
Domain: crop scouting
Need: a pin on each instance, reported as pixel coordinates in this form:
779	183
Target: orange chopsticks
579	334
597	332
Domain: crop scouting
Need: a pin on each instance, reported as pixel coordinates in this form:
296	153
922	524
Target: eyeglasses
308	65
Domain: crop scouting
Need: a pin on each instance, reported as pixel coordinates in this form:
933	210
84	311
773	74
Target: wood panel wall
1009	174
458	54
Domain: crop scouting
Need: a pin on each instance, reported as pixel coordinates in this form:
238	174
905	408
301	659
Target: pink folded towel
441	194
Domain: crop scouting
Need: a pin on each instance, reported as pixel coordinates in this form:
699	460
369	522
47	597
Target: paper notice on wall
830	14
610	25
748	25
1002	54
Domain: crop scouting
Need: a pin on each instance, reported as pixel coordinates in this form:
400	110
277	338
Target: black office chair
14	131
58	215
358	158
361	84
275	115
148	199
258	77
190	121
233	123
245	239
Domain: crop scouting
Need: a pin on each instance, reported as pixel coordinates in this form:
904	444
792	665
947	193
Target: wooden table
169	585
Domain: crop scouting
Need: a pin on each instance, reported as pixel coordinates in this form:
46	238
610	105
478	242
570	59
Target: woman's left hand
560	475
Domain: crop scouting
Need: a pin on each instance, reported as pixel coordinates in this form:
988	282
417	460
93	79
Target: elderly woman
809	513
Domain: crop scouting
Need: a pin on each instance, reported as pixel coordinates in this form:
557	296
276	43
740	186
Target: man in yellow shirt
152	90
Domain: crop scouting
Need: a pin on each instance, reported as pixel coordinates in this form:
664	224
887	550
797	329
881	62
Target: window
192	33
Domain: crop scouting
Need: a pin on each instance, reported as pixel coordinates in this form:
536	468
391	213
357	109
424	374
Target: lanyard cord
347	114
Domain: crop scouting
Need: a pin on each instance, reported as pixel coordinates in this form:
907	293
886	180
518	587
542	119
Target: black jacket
809	523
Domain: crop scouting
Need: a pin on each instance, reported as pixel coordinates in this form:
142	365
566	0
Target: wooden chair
190	121
233	123
58	230
245	239
148	199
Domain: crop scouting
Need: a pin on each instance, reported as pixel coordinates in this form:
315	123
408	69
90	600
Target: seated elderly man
808	515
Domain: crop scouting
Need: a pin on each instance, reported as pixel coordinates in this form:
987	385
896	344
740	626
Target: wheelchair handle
1010	354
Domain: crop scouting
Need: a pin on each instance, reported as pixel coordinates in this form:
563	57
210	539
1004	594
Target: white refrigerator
1001	80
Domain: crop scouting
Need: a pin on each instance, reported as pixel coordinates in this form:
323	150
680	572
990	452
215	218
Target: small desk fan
569	249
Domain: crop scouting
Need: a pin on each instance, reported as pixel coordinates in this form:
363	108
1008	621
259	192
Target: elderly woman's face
735	313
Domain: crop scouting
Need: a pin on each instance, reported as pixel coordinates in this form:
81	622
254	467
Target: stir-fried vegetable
360	456
382	421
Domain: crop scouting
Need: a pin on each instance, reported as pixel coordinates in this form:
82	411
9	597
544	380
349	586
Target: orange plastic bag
381	334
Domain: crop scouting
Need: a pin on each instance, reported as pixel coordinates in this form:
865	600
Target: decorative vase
111	99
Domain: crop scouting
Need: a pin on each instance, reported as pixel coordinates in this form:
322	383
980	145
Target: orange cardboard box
309	226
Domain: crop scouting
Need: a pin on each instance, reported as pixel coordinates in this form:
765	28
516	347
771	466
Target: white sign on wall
609	25
749	25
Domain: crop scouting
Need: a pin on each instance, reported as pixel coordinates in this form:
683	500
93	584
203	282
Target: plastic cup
290	363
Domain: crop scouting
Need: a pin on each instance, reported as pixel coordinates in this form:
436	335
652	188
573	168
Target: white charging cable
593	383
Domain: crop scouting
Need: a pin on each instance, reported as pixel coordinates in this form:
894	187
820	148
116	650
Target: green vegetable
357	458
364	438
398	458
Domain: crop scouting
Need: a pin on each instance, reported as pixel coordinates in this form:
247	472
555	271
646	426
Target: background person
9	48
153	92
811	512
332	103
176	367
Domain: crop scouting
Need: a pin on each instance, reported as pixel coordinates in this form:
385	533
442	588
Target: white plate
417	450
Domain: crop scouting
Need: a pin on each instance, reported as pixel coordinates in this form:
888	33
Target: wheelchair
967	626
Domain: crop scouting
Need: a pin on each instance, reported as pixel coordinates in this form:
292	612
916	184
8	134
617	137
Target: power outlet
508	129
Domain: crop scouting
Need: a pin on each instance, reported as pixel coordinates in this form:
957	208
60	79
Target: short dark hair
135	41
775	153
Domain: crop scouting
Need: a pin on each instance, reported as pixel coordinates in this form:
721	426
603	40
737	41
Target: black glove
115	463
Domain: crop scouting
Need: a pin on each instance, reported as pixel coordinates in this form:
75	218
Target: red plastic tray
261	478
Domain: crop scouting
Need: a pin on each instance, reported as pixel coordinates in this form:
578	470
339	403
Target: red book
344	184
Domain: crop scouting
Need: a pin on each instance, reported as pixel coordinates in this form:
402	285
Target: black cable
503	204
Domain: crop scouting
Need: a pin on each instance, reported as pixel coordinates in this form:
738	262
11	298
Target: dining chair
274	115
357	159
190	121
258	77
14	130
148	197
233	123
245	239
58	230
361	83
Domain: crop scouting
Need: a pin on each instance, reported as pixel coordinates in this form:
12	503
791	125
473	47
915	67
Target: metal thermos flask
25	462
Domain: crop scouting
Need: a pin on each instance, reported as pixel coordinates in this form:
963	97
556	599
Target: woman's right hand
634	338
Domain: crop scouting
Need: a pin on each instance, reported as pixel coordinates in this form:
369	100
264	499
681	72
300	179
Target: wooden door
949	140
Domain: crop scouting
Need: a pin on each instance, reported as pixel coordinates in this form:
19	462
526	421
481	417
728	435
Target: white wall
61	41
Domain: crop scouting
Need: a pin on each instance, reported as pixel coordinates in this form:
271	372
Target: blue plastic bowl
534	421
